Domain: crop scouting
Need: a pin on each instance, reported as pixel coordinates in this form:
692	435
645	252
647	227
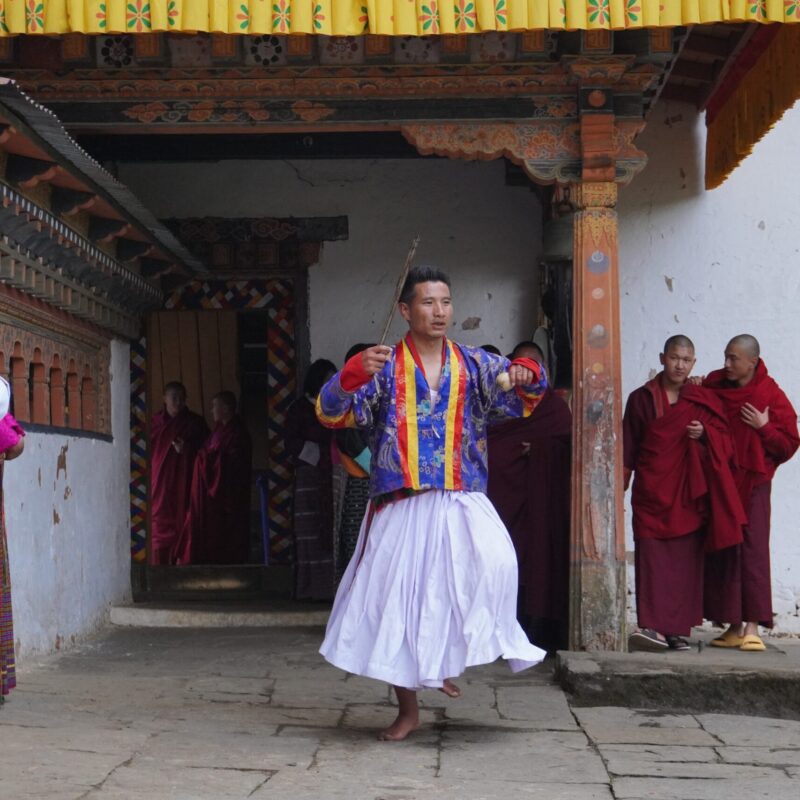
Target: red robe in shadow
738	581
217	527
684	500
171	478
531	492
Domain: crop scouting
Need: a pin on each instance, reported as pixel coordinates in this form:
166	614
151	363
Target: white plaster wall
69	528
486	235
714	264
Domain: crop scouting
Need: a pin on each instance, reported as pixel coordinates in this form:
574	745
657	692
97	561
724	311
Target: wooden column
597	578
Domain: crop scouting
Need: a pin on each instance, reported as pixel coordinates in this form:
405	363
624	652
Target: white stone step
218	615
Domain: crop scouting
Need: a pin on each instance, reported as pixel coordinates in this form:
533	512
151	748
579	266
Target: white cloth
5	397
430	590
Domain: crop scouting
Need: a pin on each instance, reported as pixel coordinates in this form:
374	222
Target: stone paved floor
190	714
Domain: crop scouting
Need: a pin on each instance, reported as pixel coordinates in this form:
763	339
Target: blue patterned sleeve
520	401
337	408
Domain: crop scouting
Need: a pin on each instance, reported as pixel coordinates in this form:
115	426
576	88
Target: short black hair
527	344
748	343
490	348
355	350
316	376
421	275
175	386
678	340
227	399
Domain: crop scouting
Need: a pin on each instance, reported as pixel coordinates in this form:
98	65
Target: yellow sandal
752	644
728	639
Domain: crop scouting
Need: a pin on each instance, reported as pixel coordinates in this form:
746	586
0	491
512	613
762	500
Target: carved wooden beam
102	229
6	133
154	267
130	249
68	202
29	172
695	70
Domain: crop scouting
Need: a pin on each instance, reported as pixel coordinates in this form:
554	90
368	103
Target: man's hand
695	429
526	448
520	376
753	417
696	380
177	444
374	358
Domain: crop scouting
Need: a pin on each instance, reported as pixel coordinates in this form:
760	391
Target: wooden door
198	348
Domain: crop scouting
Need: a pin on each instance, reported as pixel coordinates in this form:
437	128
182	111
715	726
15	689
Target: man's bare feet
400	728
407	717
450	689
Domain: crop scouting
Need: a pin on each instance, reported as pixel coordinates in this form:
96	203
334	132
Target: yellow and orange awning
384	17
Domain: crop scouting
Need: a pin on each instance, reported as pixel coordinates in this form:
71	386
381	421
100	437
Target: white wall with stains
67	513
714	264
485	234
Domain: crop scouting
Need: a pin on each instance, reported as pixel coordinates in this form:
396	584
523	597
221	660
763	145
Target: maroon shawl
758	452
217	527
171	476
683	484
531	492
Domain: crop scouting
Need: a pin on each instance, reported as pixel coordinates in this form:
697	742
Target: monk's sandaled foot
450	689
399	729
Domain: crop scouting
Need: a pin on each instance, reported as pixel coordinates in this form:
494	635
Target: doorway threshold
272	612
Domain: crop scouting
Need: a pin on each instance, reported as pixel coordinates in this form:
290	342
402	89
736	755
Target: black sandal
677	643
646	640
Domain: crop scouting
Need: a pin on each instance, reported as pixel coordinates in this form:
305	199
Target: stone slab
557	757
776	788
706	679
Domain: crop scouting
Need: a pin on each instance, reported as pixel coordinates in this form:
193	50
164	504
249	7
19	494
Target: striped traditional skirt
7	675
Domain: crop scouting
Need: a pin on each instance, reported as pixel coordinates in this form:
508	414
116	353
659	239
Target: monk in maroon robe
684	498
217	528
764	428
529	483
176	434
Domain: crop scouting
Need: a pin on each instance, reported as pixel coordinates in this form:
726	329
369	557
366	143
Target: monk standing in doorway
217	528
432	587
176	434
678	447
764	428
529	485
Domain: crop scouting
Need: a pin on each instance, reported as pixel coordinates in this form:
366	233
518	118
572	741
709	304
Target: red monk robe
217	528
171	478
529	487
684	500
738	581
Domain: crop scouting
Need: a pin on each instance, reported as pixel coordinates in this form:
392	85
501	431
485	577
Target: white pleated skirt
430	591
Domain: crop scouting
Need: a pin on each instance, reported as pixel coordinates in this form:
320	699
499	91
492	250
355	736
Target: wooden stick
399	290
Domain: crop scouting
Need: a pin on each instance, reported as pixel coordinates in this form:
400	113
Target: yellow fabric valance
760	90
386	17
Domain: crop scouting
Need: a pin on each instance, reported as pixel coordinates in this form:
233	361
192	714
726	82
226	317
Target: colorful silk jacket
419	445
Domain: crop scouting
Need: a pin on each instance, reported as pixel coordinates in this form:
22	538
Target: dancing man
432	587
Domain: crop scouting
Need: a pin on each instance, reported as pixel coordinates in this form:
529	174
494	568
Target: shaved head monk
764	427
678	447
176	434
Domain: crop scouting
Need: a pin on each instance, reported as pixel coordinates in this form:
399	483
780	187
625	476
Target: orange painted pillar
597	577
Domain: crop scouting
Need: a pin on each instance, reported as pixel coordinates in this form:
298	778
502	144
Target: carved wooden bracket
68	202
29	172
548	150
105	230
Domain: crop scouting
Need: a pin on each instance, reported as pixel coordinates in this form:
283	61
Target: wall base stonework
67	512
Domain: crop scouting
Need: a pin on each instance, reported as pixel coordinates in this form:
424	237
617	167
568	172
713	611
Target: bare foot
400	728
450	689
